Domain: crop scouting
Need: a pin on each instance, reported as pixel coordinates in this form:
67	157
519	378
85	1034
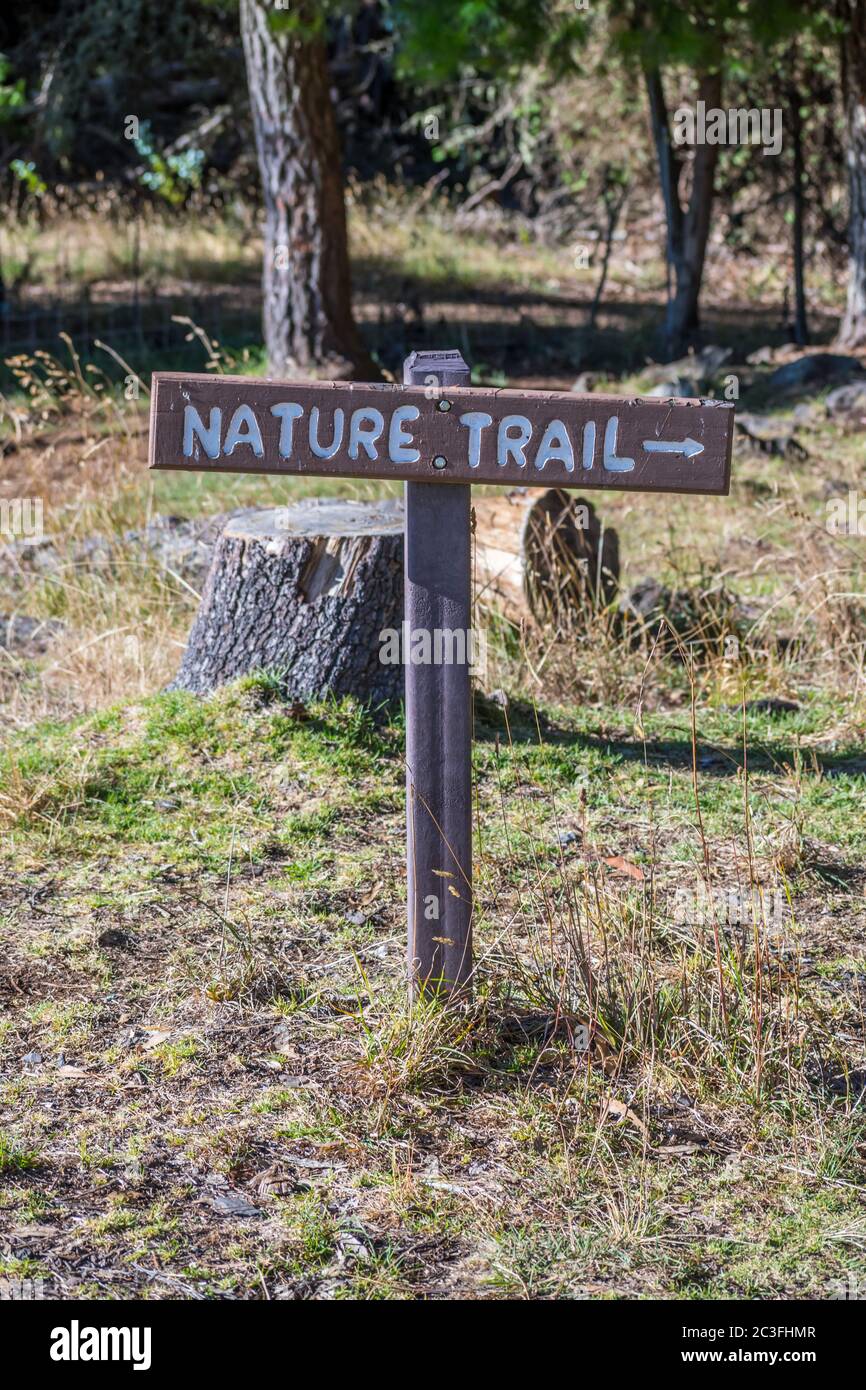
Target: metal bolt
444	405
440	461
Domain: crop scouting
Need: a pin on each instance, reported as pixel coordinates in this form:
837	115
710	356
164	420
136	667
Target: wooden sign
435	429
440	433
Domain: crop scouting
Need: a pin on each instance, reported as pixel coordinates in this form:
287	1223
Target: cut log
544	558
304	591
307	590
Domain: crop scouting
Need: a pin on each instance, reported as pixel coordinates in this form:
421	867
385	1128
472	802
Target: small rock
356	919
351	1248
771	705
678	388
283	1039
835	487
112	936
32	1059
762	357
701	366
697	370
845	400
233	1204
567	837
586	383
646	600
28	636
771	436
812	371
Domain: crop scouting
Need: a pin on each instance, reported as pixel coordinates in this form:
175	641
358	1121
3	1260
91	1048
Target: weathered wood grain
440	434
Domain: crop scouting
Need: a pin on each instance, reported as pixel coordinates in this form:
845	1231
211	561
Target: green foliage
438	38
11	93
703	37
171	176
25	172
307	19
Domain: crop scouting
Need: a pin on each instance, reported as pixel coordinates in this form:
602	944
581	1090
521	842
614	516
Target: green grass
14	1158
203	910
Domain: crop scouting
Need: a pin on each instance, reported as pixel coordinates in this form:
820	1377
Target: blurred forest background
525	144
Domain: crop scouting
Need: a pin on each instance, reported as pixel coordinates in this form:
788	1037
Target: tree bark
305	592
801	322
687	229
544	559
852	331
308	323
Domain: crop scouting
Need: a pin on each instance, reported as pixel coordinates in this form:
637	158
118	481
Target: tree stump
304	591
544	558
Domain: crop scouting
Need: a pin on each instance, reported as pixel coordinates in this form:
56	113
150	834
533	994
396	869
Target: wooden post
438	709
439	435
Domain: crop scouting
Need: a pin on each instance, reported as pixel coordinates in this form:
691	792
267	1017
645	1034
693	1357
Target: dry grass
202	914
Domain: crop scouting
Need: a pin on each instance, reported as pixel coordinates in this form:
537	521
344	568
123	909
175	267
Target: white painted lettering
365	438
475	421
509	446
244	429
193	429
399	439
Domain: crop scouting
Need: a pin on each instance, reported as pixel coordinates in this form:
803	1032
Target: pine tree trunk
306	592
687	229
308	324
801	322
852	332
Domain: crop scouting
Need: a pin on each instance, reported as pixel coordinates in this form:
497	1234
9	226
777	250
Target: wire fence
142	325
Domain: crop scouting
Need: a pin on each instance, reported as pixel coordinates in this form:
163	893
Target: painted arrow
689	447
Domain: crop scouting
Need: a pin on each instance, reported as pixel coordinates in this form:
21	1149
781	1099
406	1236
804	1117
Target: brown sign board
439	433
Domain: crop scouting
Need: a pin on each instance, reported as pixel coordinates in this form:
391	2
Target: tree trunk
308	323
614	196
687	230
801	324
303	591
852	332
543	559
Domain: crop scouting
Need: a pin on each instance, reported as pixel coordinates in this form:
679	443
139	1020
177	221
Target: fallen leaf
68	1070
373	894
612	1106
624	866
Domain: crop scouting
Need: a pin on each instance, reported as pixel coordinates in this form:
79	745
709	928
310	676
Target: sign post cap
447	366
